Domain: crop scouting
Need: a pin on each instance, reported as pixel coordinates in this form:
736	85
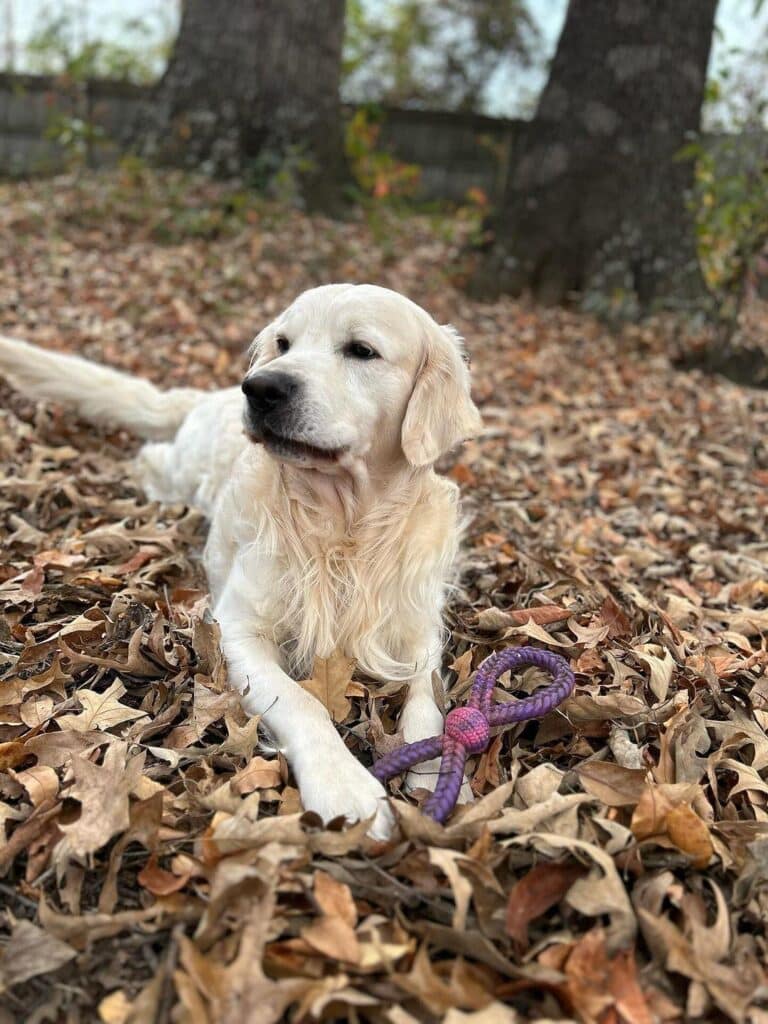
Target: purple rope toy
468	729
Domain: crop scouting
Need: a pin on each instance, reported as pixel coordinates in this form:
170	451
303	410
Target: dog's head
361	371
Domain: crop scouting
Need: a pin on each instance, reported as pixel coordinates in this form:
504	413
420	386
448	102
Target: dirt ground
154	861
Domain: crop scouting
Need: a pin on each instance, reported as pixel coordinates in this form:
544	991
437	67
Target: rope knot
469	727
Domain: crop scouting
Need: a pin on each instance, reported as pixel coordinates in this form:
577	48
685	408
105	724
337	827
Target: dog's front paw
333	784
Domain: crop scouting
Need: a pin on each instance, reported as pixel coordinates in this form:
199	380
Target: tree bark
595	203
253	84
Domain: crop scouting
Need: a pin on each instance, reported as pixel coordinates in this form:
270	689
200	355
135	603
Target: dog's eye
360	350
282	345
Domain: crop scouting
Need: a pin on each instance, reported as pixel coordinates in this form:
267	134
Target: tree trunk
253	85
595	203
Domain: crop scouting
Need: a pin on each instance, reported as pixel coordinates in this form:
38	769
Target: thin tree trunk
595	202
253	84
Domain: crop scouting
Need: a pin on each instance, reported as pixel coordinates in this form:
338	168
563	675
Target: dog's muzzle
270	395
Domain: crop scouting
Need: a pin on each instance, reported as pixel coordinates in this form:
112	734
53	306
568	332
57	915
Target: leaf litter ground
154	861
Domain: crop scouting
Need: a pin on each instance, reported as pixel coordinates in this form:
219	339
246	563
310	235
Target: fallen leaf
539	889
31	952
661	663
612	784
664	815
690	834
329	681
159	882
100	710
333	934
257	774
103	791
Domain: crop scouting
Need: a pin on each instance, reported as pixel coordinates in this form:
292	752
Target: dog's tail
96	393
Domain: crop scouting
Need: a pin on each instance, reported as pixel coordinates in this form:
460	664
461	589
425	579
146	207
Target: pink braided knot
469	727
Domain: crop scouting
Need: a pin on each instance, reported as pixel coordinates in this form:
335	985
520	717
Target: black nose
269	390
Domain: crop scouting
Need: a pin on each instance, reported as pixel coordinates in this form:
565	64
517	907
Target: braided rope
467	729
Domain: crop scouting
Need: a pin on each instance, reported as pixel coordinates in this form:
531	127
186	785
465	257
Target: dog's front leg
421	718
330	779
422	714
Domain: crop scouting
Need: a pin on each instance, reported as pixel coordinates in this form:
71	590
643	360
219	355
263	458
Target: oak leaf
100	710
103	792
329	682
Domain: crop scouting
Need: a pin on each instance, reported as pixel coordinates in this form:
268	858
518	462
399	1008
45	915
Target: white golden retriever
329	528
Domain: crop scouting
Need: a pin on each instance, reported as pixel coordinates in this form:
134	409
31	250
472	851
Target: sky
737	33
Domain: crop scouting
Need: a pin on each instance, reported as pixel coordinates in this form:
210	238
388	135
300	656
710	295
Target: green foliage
172	206
432	54
279	173
59	47
378	174
730	203
730	196
75	135
386	191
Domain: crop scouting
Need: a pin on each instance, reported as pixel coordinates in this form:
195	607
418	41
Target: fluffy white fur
309	552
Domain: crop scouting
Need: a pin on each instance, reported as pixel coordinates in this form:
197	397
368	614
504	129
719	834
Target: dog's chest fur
369	587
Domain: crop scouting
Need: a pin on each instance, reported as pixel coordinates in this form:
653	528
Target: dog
329	528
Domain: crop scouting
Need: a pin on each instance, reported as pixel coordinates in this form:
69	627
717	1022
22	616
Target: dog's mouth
290	448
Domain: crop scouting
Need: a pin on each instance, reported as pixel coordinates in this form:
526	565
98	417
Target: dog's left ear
440	411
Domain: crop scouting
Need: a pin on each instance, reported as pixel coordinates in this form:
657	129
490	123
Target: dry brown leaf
661	664
596	982
590	635
40	782
159	882
690	834
664	815
115	1008
334	898
533	895
613	785
588	970
257	774
334	938
103	791
30	953
541	615
449	862
100	710
436	993
36	710
609	489
600	892
329	681
614	618
333	934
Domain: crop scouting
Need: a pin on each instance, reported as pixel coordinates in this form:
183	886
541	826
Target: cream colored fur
308	555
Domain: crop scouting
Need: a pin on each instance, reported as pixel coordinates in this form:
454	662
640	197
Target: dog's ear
440	411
